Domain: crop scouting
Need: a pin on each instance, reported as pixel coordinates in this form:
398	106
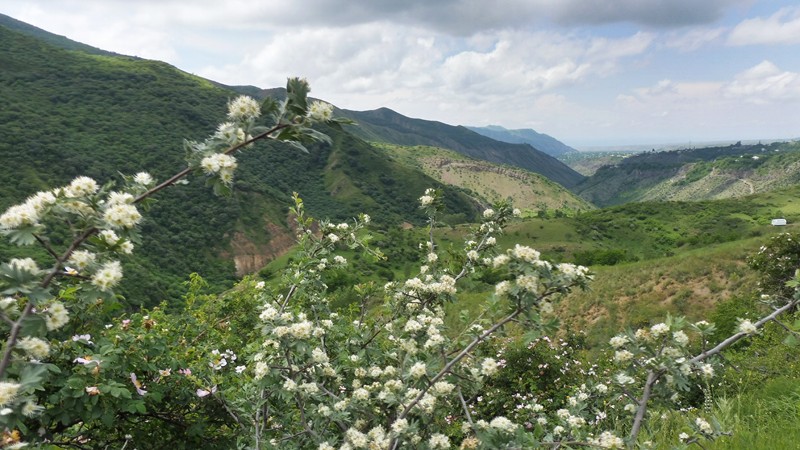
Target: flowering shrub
777	262
275	365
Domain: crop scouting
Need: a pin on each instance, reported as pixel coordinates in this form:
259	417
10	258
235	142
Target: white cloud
783	27
764	83
455	17
657	13
391	63
693	39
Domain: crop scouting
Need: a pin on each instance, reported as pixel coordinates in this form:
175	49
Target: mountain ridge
386	125
51	38
540	141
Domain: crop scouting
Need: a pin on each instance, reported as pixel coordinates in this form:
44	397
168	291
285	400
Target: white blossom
503	424
143	178
489	367
35	347
320	111
419	369
108	276
703	426
80	187
746	326
8	391
243	107
439	440
122	215
618	341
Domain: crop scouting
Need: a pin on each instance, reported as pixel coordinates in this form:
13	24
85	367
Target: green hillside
385	125
67	113
50	38
693	174
490	182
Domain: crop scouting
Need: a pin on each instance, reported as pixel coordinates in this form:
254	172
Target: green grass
763	419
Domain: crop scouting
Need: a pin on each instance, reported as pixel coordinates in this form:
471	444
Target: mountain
694	174
385	125
539	141
69	112
50	38
490	182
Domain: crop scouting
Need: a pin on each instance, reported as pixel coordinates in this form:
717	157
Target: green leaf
33	325
22	236
32	375
270	108
297	90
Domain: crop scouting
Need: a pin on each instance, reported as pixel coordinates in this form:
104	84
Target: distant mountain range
385	125
539	141
707	173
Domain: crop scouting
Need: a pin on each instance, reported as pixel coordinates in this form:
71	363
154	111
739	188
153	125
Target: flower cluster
320	111
230	133
428	198
220	164
220	359
108	276
243	108
35	347
28	213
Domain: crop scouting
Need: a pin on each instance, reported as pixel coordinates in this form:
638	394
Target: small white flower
108	276
399	426
122	215
659	329
439	440
143	178
703	426
418	370
618	341
489	367
320	111
623	356
243	107
747	327
680	338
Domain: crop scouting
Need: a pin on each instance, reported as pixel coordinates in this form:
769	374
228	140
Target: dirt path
749	184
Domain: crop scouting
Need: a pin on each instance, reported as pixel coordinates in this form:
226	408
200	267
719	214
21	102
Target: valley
665	234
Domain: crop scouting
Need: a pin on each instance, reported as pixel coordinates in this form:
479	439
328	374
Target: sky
588	72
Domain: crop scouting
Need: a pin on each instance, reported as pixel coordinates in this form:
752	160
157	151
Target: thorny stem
653	376
733	339
788	330
464	405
